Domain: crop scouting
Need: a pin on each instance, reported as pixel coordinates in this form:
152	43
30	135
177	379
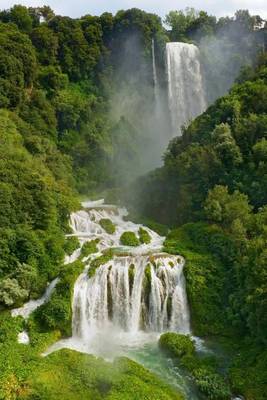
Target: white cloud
76	8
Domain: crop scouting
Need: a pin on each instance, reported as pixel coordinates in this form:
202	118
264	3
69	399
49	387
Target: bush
107	225
57	312
202	369
11	293
144	236
177	345
211	384
129	239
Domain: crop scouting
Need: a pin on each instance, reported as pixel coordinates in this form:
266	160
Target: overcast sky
76	8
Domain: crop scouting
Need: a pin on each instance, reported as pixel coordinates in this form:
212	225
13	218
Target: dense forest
76	118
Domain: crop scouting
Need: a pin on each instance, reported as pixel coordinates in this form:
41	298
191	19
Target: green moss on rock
131	275
144	236
107	225
97	262
129	239
177	345
89	248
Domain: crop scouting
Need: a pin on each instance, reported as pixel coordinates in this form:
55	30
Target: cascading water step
129	292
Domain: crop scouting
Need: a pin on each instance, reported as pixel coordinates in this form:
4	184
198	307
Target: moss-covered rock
107	225
97	262
131	275
129	239
89	248
147	285
177	345
144	236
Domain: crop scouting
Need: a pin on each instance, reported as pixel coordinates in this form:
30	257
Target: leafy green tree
11	293
225	208
21	17
225	146
46	43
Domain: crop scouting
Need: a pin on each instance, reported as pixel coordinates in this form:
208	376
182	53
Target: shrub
177	345
211	384
144	236
129	239
202	369
11	293
107	225
57	312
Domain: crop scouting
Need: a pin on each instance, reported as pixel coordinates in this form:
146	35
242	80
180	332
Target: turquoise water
156	361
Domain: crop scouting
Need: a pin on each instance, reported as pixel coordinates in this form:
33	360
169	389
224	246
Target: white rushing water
31	305
186	91
130	299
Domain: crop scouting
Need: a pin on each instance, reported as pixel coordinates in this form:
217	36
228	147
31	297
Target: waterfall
133	294
186	92
138	289
139	292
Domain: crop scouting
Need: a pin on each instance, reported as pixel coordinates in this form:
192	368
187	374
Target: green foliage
73	375
203	369
11	293
251	380
211	384
204	275
107	225
224	208
190	24
144	236
97	262
177	345
129	239
71	244
89	248
56	314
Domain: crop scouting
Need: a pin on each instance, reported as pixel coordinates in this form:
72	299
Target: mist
225	54
141	126
138	111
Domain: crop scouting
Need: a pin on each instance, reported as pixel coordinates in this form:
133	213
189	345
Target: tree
11	293
179	22
225	208
225	146
21	17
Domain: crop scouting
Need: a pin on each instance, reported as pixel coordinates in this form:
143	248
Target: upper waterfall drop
186	91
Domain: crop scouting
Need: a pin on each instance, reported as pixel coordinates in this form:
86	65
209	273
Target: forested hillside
213	187
77	117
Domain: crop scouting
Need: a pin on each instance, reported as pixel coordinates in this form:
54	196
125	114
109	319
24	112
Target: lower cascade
133	293
137	292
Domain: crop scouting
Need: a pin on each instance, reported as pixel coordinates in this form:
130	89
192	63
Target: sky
77	8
